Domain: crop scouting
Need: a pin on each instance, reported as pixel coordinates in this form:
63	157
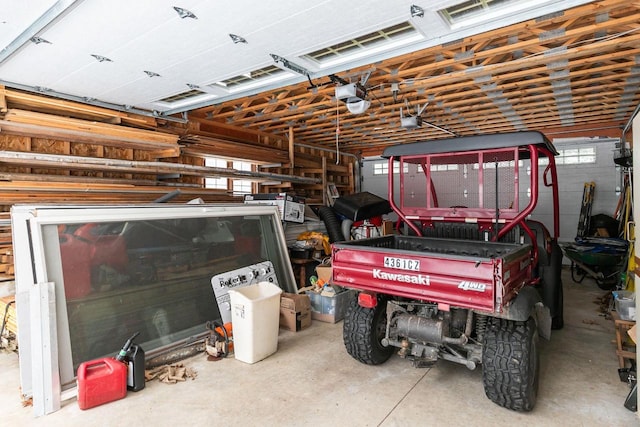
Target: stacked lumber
28	101
7	271
8	317
33	124
94	193
6	249
58	151
85	163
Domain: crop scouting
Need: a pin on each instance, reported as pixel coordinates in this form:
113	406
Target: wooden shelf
624	346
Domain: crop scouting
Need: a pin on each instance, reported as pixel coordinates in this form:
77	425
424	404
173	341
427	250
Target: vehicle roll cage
422	152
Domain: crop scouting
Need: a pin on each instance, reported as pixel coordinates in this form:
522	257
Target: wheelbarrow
602	259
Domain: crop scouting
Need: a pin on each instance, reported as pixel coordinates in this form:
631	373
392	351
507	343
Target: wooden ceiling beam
460	85
449	100
468	81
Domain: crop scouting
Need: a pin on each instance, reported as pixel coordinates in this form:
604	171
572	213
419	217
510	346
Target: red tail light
367	300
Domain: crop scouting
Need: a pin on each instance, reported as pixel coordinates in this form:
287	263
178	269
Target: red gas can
101	381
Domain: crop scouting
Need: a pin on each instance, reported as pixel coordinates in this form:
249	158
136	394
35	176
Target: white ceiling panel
149	35
101	27
142	89
99	75
43	64
17	16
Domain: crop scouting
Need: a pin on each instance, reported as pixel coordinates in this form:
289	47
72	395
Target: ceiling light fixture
184	13
357	105
417	11
101	58
237	39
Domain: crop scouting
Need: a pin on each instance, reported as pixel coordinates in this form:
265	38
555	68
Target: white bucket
255	315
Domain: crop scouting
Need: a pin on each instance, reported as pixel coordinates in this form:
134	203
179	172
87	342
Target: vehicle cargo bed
470	274
465	248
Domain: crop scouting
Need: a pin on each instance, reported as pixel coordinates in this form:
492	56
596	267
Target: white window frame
242	186
382	168
577	155
216	183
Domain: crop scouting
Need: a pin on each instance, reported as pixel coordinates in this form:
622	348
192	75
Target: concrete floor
312	381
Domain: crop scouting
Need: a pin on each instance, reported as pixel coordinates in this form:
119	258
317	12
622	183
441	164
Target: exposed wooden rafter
578	68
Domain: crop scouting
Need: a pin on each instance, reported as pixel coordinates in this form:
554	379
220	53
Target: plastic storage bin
330	308
255	315
625	304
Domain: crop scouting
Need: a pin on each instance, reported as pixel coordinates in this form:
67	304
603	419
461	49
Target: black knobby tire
551	291
363	330
510	363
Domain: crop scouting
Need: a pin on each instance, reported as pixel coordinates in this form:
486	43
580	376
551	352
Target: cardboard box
387	228
291	208
295	312
330	309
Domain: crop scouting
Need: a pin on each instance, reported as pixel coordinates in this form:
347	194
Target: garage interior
169	107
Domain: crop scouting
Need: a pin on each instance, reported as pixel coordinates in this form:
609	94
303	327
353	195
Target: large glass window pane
153	276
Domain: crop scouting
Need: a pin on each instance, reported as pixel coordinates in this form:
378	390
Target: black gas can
135	374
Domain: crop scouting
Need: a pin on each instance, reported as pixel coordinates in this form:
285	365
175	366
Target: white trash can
255	315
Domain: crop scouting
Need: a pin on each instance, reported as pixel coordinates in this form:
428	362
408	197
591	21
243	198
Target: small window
349	47
250	77
468	9
396	168
239	186
216	183
382	168
242	186
184	95
440	168
503	164
573	156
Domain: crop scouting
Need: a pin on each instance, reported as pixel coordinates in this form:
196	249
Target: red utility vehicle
470	279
